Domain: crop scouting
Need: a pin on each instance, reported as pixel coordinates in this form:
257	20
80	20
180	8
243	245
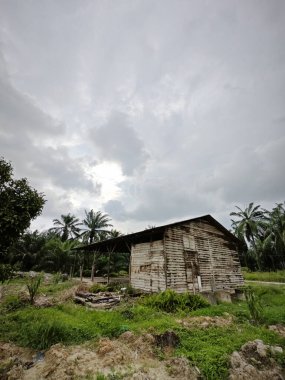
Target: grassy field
278	276
208	348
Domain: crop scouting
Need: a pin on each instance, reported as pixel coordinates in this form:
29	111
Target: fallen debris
101	300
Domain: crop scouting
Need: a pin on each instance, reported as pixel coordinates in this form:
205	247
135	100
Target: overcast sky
149	110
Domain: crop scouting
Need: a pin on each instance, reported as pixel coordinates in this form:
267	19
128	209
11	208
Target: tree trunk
108	278
81	272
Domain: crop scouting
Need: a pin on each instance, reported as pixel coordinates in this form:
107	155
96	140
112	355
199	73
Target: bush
33	283
13	302
44	334
6	272
170	301
253	304
96	288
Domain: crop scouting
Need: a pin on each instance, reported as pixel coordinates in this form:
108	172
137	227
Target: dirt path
264	282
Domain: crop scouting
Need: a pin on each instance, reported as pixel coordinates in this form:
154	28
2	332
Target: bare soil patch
133	357
256	361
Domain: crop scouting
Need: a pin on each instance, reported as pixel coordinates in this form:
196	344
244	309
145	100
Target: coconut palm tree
276	229
250	224
67	227
95	223
59	255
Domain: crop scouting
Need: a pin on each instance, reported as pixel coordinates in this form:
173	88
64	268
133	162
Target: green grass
208	348
41	327
170	301
272	302
278	276
51	289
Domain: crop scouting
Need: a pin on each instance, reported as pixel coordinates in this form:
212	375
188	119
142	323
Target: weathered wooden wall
201	249
195	256
147	267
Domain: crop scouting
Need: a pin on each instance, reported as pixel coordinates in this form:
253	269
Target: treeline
53	250
262	236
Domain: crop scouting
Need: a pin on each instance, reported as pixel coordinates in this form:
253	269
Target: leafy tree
59	256
264	234
277	227
248	224
6	272
19	205
95	224
27	251
67	227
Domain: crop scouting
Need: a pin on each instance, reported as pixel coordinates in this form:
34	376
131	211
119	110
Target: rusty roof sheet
123	243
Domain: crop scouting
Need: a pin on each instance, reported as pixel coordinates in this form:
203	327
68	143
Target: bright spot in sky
109	174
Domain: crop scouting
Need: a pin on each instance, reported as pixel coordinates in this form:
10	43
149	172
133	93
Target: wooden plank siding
147	266
194	256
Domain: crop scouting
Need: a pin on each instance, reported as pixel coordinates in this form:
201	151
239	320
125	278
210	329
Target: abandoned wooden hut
195	255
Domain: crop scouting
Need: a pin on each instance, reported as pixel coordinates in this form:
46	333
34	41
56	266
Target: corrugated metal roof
123	243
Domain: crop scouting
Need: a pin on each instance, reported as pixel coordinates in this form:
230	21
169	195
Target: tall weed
253	304
33	283
170	301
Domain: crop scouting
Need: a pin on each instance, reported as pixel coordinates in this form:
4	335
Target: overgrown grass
272	299
278	276
51	289
170	301
208	348
71	324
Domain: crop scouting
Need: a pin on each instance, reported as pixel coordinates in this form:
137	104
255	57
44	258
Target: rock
276	350
254	362
279	329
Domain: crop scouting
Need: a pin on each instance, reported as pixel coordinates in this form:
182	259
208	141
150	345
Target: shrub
96	288
46	333
57	277
170	301
253	304
6	272
33	284
13	302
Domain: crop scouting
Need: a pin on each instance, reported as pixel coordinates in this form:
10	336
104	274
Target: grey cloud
200	87
251	174
117	141
116	210
18	113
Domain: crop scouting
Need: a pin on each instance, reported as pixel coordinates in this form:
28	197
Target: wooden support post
81	272
109	256
93	267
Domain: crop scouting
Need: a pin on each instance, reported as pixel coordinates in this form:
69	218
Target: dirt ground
129	356
256	361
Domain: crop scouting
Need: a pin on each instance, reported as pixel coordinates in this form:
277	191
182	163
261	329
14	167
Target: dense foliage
262	234
19	205
170	301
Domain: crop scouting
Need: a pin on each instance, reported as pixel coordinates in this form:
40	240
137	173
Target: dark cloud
187	97
117	141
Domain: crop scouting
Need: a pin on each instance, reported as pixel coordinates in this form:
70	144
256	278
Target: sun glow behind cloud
152	111
109	174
